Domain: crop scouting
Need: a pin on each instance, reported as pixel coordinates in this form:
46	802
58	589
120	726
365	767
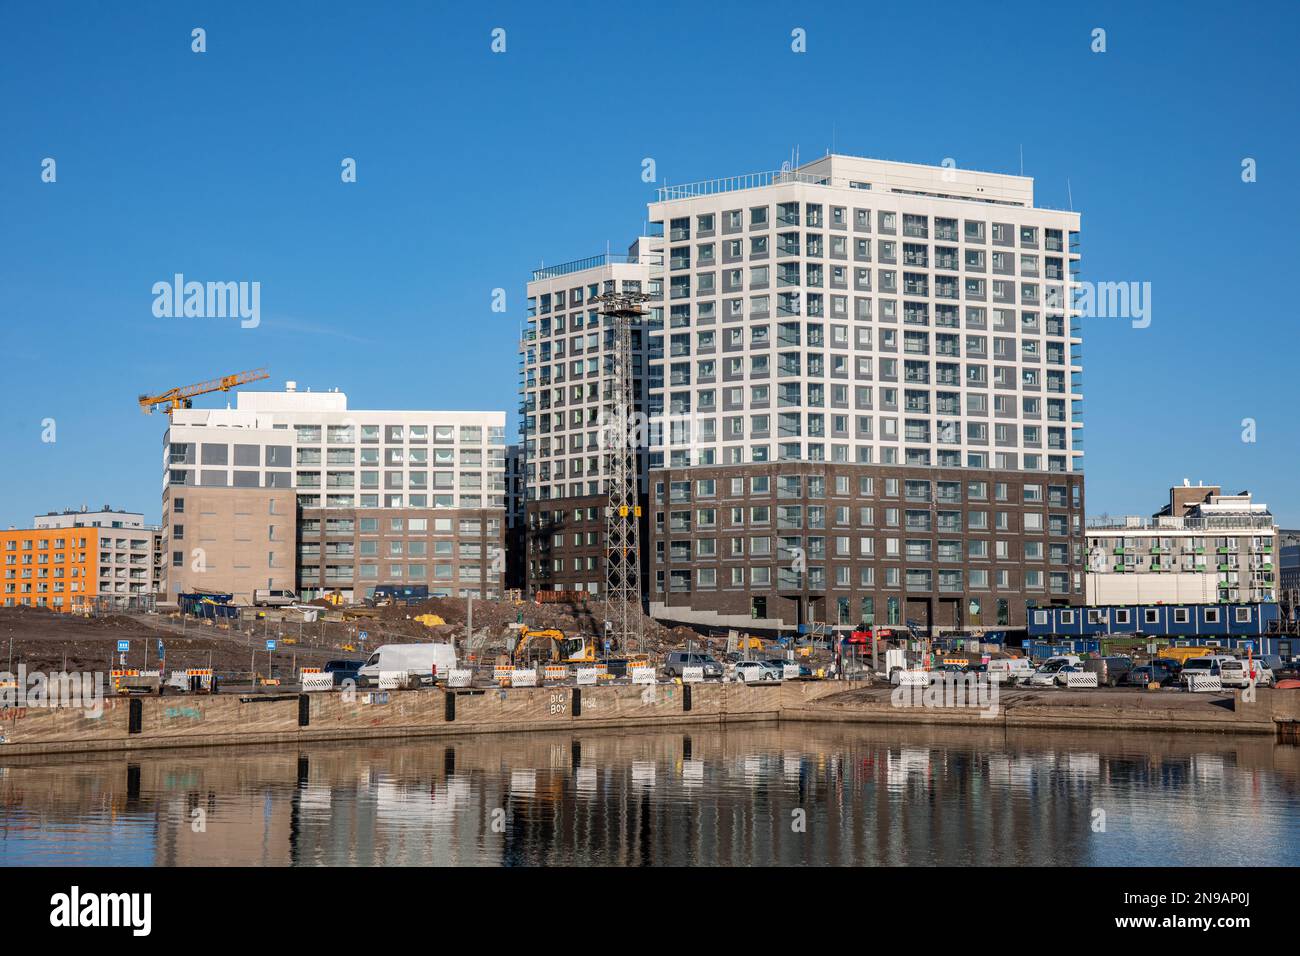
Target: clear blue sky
474	166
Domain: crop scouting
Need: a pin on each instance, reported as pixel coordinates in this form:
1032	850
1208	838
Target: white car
1043	677
1209	666
1237	673
1062	674
750	672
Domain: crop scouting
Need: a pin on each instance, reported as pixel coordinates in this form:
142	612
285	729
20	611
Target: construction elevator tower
622	511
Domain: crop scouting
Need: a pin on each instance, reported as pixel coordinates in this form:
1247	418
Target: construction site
484	632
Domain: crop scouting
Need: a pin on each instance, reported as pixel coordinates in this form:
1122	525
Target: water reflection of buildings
867	795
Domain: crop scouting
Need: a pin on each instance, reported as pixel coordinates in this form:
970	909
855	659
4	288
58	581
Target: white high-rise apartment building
379	497
868	312
866	375
566	374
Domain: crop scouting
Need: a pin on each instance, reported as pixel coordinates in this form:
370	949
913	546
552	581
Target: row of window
841	578
914	225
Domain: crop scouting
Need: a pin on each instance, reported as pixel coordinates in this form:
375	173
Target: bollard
448	706
304	710
135	717
577	702
686	697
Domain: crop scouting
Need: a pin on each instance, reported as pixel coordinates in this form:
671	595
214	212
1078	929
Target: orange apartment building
55	568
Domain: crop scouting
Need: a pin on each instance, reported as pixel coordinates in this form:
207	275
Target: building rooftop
875	175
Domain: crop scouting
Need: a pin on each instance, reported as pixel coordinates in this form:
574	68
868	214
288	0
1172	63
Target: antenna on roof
1069	193
1022	159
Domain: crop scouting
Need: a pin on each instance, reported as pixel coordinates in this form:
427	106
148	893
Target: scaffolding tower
622	509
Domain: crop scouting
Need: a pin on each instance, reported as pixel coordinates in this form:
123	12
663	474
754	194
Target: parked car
1043	677
678	661
344	670
1264	676
1056	663
1011	668
1110	671
1062	673
1174	667
1279	667
273	597
1153	673
425	663
1211	666
750	672
1238	673
780	662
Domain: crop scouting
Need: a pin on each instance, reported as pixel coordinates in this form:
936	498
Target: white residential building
896	336
1204	547
382	497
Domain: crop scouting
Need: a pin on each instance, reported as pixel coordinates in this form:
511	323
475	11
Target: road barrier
392	680
587	676
789	671
1200	683
1080	680
556	672
913	678
315	682
523	678
643	675
692	675
460	678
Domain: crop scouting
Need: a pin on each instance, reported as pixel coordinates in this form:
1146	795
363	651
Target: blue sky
473	167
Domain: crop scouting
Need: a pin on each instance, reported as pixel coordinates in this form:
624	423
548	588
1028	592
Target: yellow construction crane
175	398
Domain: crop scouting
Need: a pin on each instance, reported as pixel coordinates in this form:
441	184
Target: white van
428	662
274	597
1237	673
1211	665
1010	669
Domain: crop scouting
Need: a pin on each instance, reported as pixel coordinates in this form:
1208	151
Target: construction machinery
183	396
582	650
562	648
623	486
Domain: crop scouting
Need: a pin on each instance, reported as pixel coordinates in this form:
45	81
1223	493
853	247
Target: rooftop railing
592	262
710	187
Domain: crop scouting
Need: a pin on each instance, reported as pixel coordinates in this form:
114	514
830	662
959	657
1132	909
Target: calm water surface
793	794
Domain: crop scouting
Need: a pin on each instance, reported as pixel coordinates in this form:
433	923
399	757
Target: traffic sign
270	645
123	646
362	635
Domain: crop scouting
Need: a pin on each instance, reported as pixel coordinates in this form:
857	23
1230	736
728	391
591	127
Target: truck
1110	671
408	594
425	663
274	597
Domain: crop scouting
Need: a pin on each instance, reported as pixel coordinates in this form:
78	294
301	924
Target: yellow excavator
564	649
583	649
